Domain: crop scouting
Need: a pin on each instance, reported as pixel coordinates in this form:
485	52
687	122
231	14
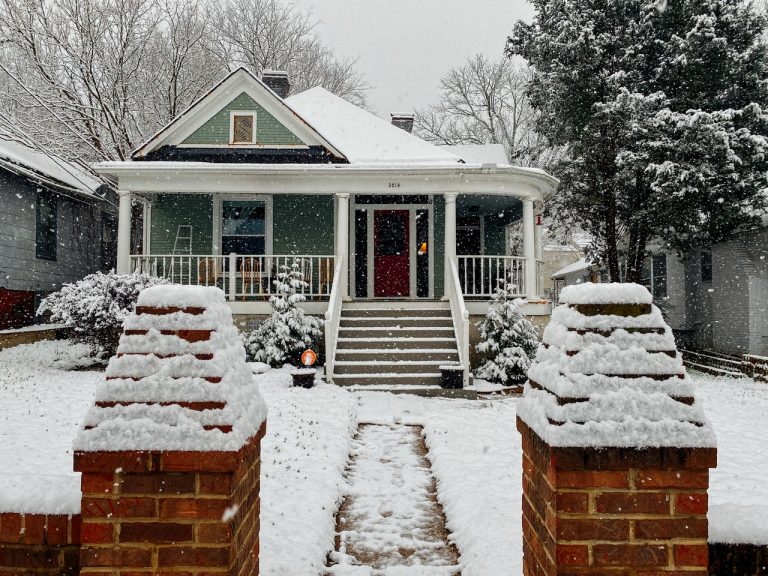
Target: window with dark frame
654	276
242	129
46	211
706	266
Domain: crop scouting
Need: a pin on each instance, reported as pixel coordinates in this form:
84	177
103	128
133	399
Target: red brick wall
614	511
39	544
162	511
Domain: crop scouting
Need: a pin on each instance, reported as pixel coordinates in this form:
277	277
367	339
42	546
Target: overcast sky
405	46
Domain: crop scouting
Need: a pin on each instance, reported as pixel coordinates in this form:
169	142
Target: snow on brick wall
608	374
179	380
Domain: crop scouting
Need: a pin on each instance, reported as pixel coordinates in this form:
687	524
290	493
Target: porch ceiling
485	205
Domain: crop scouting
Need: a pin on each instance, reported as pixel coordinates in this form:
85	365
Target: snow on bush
508	339
289	330
95	307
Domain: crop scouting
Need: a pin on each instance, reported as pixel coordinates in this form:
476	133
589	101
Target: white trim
219	198
239	81
200	177
255	146
147	232
254	126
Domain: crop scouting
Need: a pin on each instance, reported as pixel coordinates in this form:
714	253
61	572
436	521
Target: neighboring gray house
56	226
714	299
720	296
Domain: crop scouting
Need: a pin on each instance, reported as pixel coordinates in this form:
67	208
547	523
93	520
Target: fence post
232	288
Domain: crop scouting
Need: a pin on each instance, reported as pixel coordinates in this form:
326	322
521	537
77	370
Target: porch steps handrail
460	316
333	318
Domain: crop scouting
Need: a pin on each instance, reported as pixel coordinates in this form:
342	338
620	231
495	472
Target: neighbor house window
706	266
45	226
243	227
655	276
243	129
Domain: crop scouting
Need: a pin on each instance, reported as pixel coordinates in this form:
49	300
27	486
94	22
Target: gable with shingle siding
269	130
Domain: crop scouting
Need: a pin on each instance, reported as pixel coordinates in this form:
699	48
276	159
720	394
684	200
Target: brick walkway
390	518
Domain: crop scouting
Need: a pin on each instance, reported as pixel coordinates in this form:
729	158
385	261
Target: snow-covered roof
479	153
45	168
362	137
577	266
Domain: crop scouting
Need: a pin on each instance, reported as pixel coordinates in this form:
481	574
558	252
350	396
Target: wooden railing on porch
241	276
479	276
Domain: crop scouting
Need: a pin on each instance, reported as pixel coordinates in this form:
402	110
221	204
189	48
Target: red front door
392	273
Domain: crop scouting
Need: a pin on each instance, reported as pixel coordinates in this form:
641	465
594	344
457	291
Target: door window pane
391	235
422	253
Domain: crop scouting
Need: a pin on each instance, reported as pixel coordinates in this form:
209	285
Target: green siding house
248	180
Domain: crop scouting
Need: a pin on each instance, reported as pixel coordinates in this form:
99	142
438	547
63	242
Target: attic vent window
243	129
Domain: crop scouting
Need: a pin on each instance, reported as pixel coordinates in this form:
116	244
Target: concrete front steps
384	344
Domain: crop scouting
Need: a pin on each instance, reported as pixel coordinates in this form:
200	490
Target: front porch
390	247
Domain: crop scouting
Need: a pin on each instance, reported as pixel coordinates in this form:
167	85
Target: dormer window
242	127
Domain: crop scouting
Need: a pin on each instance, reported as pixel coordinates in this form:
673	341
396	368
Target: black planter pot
452	376
304	378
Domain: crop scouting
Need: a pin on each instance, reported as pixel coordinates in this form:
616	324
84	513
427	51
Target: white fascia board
176	177
186	123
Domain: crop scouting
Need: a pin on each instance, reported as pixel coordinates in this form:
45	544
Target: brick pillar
614	510
170	453
615	460
173	510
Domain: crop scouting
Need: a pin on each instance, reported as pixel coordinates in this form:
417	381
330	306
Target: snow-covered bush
95	307
508	339
282	337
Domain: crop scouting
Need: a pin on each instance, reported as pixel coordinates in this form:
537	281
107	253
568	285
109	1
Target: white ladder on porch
182	246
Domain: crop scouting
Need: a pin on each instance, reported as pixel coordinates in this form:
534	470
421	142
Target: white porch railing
460	316
241	276
332	318
478	276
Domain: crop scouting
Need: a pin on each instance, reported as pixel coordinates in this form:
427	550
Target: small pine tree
282	337
509	340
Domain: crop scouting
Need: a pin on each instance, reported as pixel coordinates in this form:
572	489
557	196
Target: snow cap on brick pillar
179	380
608	374
169	453
616	449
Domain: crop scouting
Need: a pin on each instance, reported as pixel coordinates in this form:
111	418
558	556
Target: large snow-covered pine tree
282	337
661	106
508	339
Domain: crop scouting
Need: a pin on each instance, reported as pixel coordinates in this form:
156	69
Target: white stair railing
333	318
460	316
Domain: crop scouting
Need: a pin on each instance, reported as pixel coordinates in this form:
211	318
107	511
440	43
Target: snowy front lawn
473	446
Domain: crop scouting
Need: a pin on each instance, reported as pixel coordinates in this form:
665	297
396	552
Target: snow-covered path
390	517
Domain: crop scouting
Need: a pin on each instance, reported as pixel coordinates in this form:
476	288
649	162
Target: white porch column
529	248
342	239
124	233
450	236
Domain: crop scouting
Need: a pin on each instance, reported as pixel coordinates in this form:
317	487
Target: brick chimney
278	81
403	121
